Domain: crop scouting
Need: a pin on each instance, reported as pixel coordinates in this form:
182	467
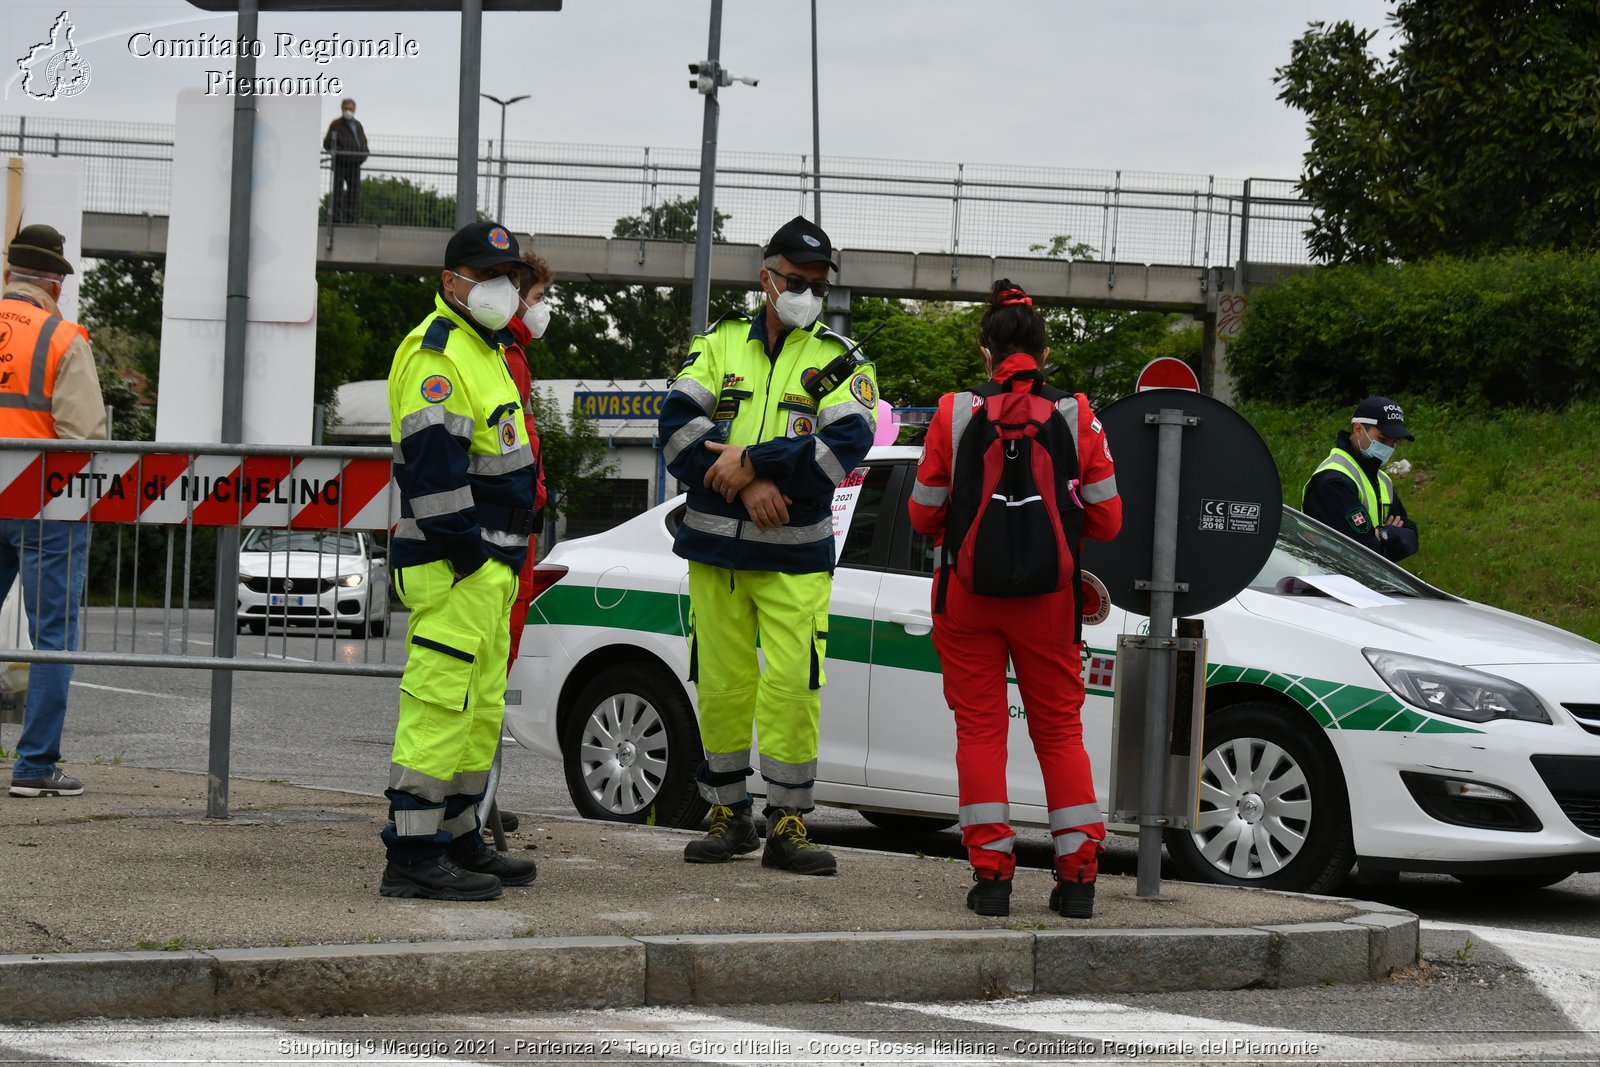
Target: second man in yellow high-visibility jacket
1351	492
765	419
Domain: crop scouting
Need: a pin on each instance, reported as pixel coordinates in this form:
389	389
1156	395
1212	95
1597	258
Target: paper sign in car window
1343	587
844	506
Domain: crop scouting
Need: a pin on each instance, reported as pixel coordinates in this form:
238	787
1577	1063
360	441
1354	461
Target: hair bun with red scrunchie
1013	296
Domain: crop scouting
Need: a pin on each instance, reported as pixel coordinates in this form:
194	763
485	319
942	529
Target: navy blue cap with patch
801	241
1386	415
481	244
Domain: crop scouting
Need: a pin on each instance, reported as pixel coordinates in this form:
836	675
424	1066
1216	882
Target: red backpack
1015	521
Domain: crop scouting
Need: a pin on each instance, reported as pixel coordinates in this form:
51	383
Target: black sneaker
508	822
511	870
440	878
788	848
54	784
1073	900
991	896
732	834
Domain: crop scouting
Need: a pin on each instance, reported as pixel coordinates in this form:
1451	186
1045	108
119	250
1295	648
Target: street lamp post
500	212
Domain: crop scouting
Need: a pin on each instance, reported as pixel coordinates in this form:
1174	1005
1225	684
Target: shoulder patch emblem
1094	424
863	389
436	388
1357	518
809	374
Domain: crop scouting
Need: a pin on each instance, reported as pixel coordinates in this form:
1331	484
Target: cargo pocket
819	649
439	664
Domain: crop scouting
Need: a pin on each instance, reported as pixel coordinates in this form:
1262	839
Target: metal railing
891	205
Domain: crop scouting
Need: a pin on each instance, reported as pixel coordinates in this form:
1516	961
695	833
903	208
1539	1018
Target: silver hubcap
623	753
1255	808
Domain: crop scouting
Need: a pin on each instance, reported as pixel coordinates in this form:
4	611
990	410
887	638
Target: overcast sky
1146	85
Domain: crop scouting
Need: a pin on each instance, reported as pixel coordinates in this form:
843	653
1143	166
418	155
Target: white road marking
1564	966
131	692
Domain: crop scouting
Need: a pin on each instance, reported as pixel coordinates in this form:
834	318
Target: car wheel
1273	808
1514	883
896	823
631	748
258	628
378	627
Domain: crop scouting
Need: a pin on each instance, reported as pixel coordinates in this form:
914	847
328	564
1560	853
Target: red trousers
975	636
519	610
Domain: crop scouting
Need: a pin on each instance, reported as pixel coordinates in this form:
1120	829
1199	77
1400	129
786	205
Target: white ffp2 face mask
492	302
537	318
797	310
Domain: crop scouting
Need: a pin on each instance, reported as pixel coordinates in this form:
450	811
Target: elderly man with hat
48	389
766	417
1351	492
467	478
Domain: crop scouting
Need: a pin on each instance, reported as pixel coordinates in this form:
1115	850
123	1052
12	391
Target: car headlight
1459	692
246	576
350	581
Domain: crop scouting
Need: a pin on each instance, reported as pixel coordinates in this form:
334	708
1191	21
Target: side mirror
379	552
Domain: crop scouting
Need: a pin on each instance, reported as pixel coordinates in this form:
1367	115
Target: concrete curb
522	974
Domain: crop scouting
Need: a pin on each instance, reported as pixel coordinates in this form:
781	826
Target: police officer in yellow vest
467	478
1351	492
764	420
48	389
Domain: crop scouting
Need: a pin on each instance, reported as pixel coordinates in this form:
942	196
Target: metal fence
894	205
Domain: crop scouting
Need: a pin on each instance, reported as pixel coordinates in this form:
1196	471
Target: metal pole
1157	708
1244	239
467	136
700	294
233	362
500	209
816	126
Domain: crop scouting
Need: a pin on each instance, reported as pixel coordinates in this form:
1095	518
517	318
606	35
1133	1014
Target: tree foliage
1517	330
1480	133
388	201
572	454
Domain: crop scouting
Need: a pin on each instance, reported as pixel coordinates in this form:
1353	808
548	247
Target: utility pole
708	78
816	127
500	208
467	134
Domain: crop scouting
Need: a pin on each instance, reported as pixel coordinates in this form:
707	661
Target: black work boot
439	878
482	859
732	833
788	847
990	896
1073	900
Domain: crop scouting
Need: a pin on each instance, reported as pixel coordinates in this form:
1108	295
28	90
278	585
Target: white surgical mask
492	302
798	310
537	318
1378	450
349	112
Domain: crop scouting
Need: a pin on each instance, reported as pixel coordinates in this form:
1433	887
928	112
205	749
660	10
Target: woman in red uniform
975	635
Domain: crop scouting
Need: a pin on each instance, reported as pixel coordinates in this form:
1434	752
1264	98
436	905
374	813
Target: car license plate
278	600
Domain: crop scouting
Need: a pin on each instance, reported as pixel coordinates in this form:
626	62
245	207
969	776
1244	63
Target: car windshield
1306	548
328	542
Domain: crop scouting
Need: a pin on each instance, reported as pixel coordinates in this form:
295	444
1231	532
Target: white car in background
326	579
1427	734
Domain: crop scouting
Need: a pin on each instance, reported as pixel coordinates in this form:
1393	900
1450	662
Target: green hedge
1513	331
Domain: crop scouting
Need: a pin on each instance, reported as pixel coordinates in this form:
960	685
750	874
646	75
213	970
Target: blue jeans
53	560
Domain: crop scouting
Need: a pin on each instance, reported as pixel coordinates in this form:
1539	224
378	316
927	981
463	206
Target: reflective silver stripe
408	528
509	463
1098	492
418	822
1067	844
723	526
730	794
41	359
829	463
1340	460
399	454
1069	411
469	783
703	398
435	415
407	780
465	823
503	539
435	504
960	416
687	434
933	496
783	796
780	773
1002	845
1079	815
981	814
830	415
728	762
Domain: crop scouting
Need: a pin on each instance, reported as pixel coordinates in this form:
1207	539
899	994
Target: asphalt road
333	731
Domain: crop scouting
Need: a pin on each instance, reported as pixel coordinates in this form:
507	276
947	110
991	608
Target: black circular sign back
1230	502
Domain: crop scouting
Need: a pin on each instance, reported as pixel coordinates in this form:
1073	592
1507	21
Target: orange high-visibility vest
32	343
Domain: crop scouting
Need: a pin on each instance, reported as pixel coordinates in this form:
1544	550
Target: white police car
332	579
1424	733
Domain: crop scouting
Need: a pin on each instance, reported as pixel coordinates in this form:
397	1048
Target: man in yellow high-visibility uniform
467	479
764	420
1351	492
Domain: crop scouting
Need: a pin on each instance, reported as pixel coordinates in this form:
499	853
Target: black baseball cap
39	247
801	241
480	245
1386	415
